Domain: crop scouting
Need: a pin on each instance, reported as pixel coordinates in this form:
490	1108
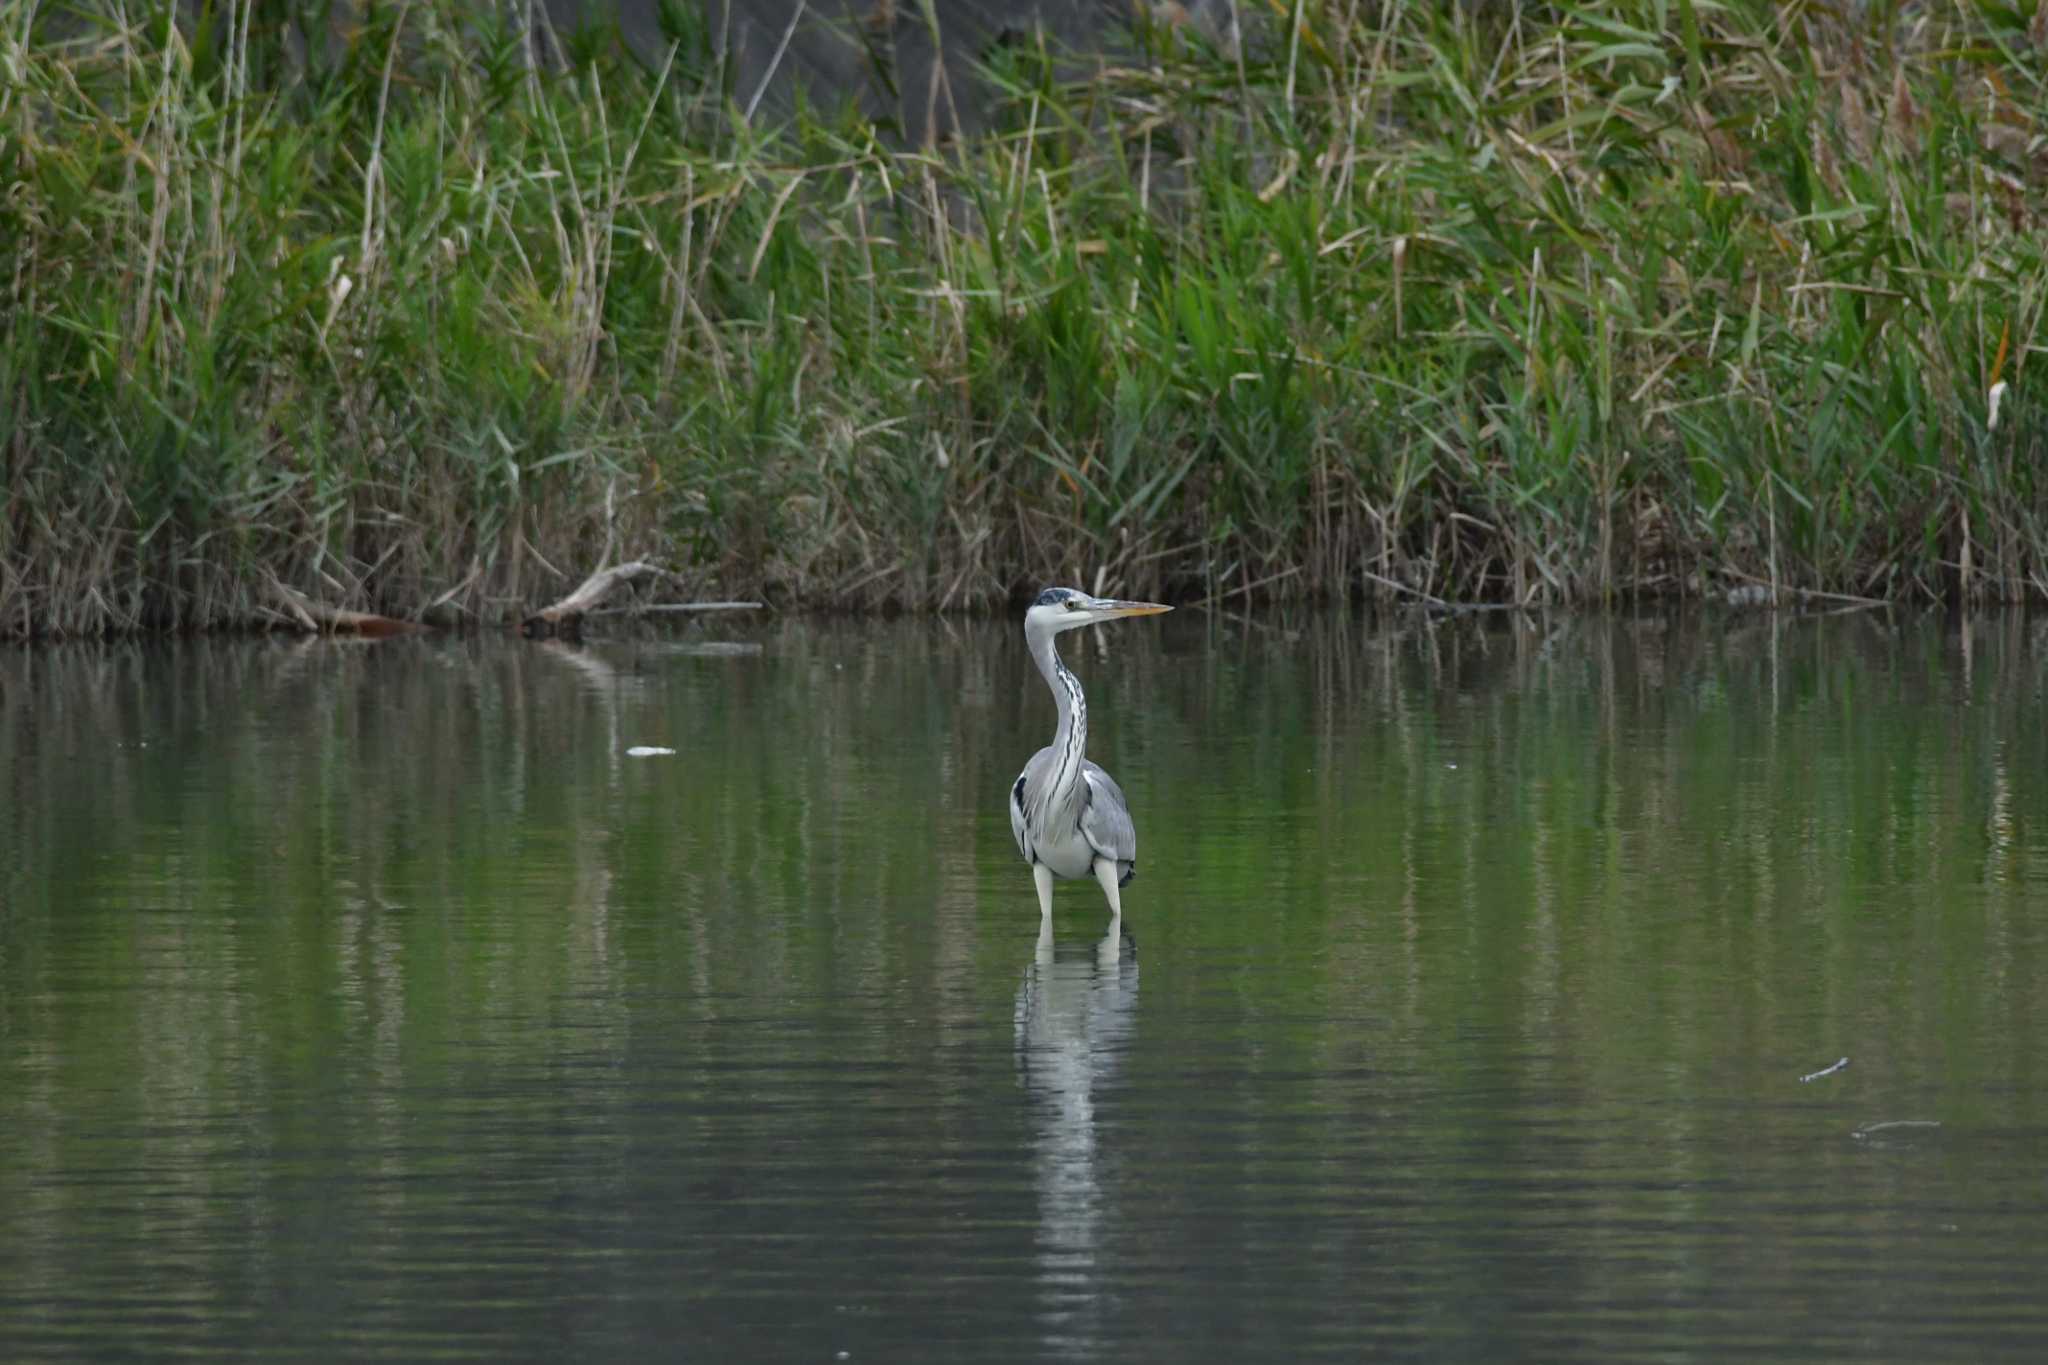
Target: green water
370	1000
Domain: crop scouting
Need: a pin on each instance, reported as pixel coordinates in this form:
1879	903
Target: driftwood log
566	616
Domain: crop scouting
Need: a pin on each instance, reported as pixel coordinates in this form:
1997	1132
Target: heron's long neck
1070	741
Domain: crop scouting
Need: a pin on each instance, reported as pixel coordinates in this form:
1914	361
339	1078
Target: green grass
1549	304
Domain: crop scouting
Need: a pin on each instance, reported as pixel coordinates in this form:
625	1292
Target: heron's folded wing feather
1033	775
1106	818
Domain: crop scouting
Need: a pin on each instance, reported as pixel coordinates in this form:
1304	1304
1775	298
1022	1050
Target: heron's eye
1071	605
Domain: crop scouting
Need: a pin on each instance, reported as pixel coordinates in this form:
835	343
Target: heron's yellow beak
1111	607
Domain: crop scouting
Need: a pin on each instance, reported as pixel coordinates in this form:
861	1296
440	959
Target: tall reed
1525	303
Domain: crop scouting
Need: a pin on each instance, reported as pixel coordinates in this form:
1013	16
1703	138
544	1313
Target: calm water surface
370	1000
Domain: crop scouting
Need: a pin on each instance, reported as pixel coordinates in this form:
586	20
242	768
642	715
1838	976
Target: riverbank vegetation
1475	302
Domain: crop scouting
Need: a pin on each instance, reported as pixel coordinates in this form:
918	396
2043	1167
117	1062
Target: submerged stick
1824	1071
1771	593
1867	1129
675	606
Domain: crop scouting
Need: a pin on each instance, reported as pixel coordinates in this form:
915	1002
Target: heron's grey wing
1029	780
1106	819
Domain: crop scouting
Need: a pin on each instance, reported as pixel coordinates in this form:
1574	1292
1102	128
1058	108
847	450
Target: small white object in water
1870	1128
647	751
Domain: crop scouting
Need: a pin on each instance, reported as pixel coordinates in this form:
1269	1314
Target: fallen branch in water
1437	606
319	618
1824	1071
1426	598
1240	590
561	617
1760	593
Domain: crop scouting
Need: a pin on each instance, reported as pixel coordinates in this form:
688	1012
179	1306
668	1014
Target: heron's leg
1044	954
1105	873
1042	875
1111	950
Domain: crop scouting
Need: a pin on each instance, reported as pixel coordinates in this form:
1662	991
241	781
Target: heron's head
1058	609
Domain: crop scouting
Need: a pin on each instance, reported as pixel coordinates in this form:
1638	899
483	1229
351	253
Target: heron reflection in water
1074	1021
1069	816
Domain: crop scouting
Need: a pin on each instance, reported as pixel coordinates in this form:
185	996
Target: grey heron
1069	816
